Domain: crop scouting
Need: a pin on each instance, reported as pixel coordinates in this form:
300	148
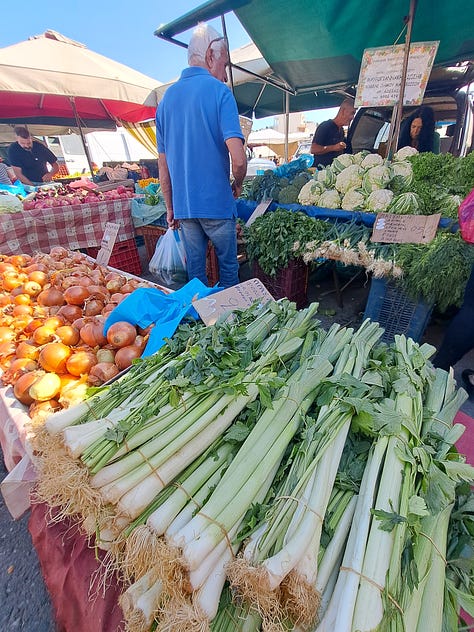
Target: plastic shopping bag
168	264
466	218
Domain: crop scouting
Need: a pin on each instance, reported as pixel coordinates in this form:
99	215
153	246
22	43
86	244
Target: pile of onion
52	313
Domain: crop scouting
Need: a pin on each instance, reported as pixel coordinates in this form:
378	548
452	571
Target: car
453	108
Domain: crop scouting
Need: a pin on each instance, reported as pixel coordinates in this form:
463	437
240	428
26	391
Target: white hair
204	36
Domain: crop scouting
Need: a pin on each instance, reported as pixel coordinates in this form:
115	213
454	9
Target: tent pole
287	123
398	109
81	132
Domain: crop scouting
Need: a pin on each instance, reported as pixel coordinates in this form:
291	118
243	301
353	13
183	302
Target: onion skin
70	312
92	334
102	372
45	387
22	386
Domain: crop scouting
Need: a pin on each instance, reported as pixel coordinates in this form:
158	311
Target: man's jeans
222	233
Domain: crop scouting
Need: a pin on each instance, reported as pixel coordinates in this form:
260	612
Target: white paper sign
240	296
381	73
107	243
259	210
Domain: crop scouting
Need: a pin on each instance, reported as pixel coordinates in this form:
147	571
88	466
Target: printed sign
405	229
381	73
260	210
107	243
239	296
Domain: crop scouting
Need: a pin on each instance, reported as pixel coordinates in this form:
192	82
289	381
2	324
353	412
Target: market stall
73	227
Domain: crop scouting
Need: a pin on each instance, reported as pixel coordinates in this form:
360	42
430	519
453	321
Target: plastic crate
396	312
124	256
291	281
152	232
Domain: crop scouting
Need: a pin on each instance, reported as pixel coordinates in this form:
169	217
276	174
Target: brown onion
38	276
76	295
68	335
80	363
121	334
93	306
125	355
22	387
70	312
27	349
17	368
92	334
50	296
105	355
43	334
53	357
102	372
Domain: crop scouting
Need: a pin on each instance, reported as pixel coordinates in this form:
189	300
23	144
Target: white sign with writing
390	228
239	296
381	73
107	243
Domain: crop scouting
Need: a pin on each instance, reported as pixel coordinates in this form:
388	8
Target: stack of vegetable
310	474
70	195
52	313
281	189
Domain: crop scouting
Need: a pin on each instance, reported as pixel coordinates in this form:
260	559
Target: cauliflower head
379	200
349	178
353	200
330	199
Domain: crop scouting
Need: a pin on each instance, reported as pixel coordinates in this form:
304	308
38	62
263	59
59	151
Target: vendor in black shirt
29	158
329	140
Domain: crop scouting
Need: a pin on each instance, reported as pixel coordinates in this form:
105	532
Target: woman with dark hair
418	131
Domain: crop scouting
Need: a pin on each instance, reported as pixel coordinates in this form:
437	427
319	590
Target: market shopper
329	140
30	158
418	131
197	126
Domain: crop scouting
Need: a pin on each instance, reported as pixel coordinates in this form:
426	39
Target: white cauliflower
330	199
9	203
326	177
342	162
349	178
379	200
310	192
402	172
376	178
372	160
353	200
404	153
359	156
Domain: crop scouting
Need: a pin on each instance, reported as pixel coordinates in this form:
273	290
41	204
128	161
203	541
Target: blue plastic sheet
245	208
146	306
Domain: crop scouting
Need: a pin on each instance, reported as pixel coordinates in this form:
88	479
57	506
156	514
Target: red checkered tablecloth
74	227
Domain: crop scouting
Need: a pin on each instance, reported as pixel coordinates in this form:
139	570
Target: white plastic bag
168	264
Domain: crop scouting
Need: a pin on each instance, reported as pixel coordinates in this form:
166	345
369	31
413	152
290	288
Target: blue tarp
245	208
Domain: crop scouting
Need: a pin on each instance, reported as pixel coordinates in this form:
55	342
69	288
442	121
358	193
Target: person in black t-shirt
29	158
329	139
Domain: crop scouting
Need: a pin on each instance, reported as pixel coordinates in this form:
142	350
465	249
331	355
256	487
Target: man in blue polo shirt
197	127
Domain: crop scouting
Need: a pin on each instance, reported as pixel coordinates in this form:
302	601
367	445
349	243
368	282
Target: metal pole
287	123
397	110
81	132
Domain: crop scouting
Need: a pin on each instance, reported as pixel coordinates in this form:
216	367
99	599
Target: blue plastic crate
396	312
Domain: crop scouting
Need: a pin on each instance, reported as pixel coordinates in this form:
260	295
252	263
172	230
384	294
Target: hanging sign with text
107	243
405	229
240	296
381	73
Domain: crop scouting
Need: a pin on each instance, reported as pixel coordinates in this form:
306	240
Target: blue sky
122	30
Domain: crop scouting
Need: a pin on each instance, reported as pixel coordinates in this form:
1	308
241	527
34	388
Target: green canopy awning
317	45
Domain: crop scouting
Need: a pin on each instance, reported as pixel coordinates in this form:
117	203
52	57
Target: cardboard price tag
405	229
107	243
240	296
260	210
